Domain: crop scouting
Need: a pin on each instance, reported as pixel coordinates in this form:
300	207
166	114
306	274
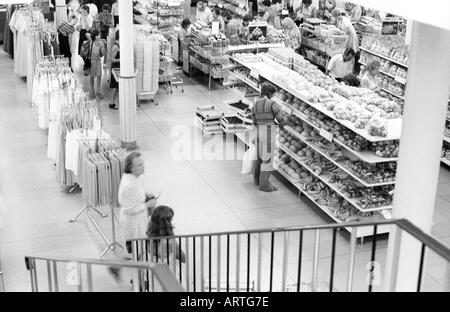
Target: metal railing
75	278
226	261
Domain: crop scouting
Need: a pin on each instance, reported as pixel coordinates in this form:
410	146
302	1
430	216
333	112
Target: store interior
354	171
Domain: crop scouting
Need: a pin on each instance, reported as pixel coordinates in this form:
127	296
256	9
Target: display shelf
384	57
325	178
360	232
247	81
265	69
254	46
387	74
392	93
445	161
367	156
339	164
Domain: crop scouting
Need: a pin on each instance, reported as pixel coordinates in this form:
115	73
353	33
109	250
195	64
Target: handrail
168	282
404	224
425	238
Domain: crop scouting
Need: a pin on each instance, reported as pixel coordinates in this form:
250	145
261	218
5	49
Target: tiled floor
207	195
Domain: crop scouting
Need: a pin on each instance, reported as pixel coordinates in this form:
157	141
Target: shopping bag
249	160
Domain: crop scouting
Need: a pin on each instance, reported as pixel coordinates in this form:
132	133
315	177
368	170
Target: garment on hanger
8	37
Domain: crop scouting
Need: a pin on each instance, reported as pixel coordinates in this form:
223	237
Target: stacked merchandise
235	7
146	56
208	119
367	25
392	54
163	14
322	41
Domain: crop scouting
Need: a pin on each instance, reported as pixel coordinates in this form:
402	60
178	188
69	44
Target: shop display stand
263	69
111	245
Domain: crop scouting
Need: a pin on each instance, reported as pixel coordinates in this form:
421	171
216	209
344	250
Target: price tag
400	79
327	135
254	73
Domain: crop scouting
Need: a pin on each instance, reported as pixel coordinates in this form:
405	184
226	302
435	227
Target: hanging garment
8	36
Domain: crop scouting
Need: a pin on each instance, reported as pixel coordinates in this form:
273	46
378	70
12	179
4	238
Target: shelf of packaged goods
339	164
397	79
247	81
447	139
445	161
366	156
254	46
325	178
267	66
198	66
384	57
392	93
361	231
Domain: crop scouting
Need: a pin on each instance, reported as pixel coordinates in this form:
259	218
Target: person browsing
204	14
341	64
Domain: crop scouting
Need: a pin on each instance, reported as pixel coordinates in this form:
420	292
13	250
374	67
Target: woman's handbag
86	52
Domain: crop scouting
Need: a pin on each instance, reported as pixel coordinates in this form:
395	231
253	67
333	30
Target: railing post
351	266
135	275
36	287
238	260
55	276
285	260
446	283
315	260
300	251
89	277
49	276
395	237
219	238
202	277
187	263
260	247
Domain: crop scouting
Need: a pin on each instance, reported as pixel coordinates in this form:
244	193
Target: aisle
207	196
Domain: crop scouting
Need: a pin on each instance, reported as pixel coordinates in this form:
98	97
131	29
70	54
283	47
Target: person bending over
341	64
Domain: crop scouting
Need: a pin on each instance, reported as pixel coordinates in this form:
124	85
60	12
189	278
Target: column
127	78
60	11
425	108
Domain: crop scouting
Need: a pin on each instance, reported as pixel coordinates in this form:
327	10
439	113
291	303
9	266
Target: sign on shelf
327	135
254	73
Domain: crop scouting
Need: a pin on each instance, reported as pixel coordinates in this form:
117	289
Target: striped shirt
66	29
265	111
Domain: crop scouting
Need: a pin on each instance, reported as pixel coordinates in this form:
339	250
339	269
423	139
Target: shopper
355	12
135	205
204	14
329	6
65	30
369	79
272	15
115	12
115	63
344	23
351	80
93	9
217	17
306	10
96	53
243	30
160	225
341	64
86	22
106	20
293	35
264	113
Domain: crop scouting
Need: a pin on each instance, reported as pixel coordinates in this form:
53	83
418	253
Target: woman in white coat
135	205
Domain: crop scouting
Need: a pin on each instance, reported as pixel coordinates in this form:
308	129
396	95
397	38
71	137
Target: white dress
133	212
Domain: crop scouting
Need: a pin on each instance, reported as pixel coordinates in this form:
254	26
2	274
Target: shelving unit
233	6
384	57
265	69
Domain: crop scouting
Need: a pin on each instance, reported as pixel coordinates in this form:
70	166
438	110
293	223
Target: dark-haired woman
135	204
160	225
264	113
115	63
97	51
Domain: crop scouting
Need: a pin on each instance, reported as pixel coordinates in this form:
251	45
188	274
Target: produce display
245	73
373	173
248	57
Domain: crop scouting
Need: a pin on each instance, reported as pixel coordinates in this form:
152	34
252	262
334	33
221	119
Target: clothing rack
103	164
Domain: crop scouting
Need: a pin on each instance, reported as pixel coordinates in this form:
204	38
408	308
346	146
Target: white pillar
127	78
426	102
60	11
